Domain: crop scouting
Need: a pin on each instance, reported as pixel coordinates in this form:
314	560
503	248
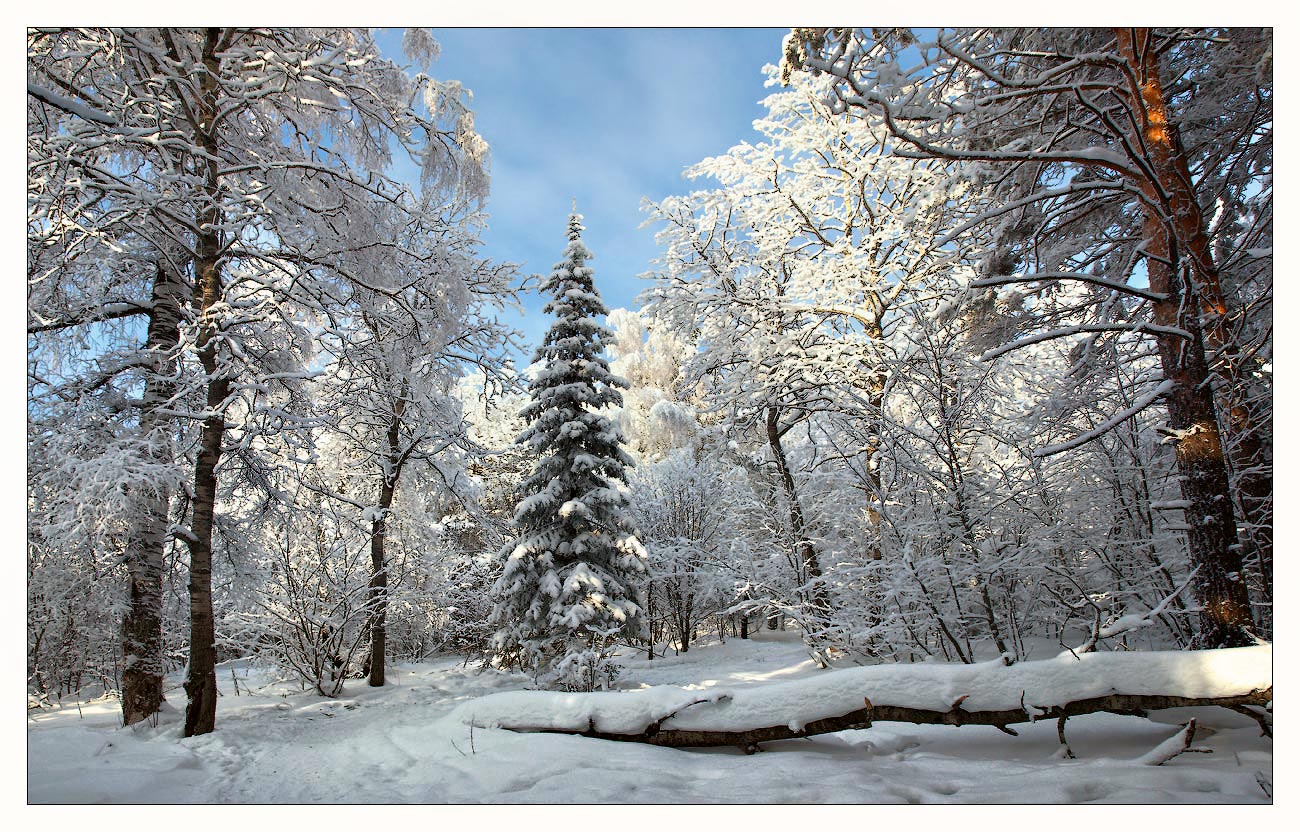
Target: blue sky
606	116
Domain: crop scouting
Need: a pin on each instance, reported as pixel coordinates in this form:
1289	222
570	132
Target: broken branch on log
1262	718
1179	743
1060	735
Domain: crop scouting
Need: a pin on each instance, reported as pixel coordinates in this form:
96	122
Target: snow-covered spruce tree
571	585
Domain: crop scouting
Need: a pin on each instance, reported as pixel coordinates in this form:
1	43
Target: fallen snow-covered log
980	694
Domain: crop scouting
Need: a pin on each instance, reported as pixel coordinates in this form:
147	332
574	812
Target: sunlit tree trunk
1244	431
1180	268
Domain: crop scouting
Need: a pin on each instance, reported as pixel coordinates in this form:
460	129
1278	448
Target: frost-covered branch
1096	280
70	105
1080	329
1146	400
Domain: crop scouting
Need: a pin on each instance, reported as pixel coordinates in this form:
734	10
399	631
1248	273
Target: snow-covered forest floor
401	743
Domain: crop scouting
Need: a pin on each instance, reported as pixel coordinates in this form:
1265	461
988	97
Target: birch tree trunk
142	646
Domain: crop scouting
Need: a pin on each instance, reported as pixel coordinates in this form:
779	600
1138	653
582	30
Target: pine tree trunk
201	677
1203	476
142	646
1244	432
1179	272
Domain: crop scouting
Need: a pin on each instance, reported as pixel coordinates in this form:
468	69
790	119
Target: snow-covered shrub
685	512
312	608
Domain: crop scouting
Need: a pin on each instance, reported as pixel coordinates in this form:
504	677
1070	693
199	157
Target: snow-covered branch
1096	280
70	105
1145	401
1080	329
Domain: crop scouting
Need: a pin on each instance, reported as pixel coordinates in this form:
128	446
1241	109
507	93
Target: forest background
602	264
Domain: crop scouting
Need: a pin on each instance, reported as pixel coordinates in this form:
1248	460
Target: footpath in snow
431	737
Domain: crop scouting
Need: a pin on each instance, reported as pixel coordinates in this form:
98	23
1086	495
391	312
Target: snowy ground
398	745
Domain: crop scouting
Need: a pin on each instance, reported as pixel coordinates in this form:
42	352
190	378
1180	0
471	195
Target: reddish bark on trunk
1172	224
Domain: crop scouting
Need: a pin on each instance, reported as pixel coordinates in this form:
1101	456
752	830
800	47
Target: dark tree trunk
650	628
142	646
201	678
378	533
1252	471
807	553
379	587
1181	273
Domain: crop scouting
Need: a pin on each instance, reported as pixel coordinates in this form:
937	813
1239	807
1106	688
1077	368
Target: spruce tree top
575	343
576	380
